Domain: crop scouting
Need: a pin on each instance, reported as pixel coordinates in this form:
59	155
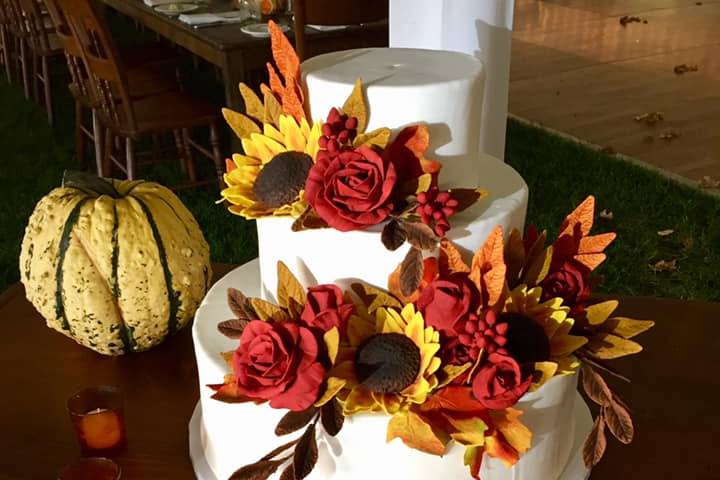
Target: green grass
560	174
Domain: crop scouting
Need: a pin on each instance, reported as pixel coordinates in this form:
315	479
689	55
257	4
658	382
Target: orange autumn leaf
228	391
418	142
488	267
516	433
229	165
450	259
498	447
590	249
430	273
473	459
453	399
284	54
583	215
276	85
416	433
286	89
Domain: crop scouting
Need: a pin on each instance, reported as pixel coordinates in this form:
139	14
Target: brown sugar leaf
595	386
257	471
619	421
420	235
332	417
232	328
306	453
393	235
356	106
595	443
294	421
411	272
239	305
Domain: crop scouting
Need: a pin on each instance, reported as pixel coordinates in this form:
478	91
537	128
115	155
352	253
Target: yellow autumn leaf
227	356
377	138
516	433
332	342
374	298
334	385
607	346
253	105
355	106
424	182
470	432
539	268
627	327
514	257
409	427
598	313
242	125
288	287
451	372
268	311
273	110
546	371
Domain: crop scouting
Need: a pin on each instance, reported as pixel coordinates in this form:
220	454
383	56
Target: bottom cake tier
225	437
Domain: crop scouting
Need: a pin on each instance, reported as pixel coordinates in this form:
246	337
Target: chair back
32	25
73	53
102	62
334	12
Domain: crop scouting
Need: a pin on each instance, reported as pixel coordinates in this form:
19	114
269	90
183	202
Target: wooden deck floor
577	70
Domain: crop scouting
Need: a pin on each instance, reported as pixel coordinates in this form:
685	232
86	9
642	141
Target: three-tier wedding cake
391	316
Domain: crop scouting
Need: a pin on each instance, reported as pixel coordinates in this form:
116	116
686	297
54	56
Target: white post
478	27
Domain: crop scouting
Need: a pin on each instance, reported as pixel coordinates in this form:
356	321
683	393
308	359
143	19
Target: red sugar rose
325	308
445	303
351	190
569	282
500	384
278	362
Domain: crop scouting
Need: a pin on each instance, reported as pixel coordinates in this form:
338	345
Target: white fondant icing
329	256
233	435
406	87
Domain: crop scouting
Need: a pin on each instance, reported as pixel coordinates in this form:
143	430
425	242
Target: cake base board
575	469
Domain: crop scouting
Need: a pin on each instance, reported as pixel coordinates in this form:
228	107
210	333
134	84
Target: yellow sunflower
391	362
269	178
525	311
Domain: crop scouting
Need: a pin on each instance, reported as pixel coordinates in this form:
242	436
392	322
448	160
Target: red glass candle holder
93	468
97	416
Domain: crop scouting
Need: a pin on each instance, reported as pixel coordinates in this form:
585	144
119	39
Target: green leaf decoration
267	311
289	287
332	417
411	272
393	235
306	454
242	125
294	421
356	106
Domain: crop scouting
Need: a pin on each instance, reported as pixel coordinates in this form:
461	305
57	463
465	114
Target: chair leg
98	141
79	137
130	158
24	66
180	150
217	153
106	161
192	173
47	90
6	52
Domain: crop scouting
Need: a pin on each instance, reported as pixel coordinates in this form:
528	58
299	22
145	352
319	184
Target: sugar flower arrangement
334	173
446	363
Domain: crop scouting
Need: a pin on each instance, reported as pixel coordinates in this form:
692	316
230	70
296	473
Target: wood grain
673	382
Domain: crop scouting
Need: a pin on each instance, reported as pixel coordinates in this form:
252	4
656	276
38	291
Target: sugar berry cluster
483	334
435	208
338	131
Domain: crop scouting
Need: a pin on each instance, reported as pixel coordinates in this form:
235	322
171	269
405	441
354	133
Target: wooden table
237	53
676	384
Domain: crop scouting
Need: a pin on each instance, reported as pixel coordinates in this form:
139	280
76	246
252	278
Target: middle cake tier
329	256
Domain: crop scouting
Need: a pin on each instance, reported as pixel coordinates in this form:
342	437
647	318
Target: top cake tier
443	90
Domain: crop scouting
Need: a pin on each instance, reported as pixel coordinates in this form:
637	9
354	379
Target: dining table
672	395
235	52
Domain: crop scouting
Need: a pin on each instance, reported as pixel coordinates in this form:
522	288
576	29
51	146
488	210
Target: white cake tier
443	90
329	256
234	435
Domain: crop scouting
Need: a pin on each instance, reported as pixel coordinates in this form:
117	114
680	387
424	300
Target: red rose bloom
352	189
500	384
445	303
325	308
278	362
569	282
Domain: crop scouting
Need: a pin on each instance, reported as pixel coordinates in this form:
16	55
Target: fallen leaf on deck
684	68
709	182
624	20
664	266
669	135
606	215
665	233
650	118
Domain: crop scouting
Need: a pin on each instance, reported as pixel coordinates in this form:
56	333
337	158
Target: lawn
559	172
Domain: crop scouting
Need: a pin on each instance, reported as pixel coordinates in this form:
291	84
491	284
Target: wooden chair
334	12
5	45
130	118
37	36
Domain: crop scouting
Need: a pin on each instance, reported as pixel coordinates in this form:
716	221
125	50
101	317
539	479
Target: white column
478	27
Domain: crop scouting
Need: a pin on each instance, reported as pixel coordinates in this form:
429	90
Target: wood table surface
673	395
237	53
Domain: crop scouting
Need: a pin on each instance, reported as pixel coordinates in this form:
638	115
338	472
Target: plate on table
328	28
261	29
176	9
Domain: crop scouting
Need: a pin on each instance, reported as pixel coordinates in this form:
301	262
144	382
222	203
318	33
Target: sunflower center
387	363
526	340
281	179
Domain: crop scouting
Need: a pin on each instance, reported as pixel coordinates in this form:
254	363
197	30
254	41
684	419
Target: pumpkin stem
89	183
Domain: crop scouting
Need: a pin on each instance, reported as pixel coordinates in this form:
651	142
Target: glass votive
97	416
91	468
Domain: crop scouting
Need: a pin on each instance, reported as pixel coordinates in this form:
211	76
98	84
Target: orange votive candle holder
97	416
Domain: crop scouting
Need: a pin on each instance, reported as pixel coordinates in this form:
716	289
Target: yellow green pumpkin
116	265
